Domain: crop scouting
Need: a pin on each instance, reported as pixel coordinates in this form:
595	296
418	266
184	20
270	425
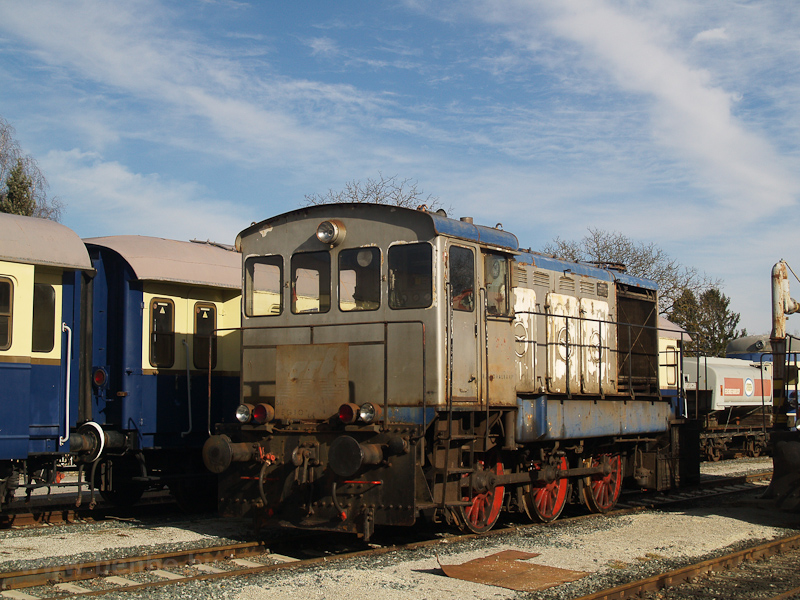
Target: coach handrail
65	328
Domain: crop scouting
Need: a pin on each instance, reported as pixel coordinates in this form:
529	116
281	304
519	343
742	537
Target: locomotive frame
397	363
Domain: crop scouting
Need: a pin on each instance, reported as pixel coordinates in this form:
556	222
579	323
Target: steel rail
677	576
122	566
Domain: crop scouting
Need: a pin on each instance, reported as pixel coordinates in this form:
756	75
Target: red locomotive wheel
545	501
601	492
482	514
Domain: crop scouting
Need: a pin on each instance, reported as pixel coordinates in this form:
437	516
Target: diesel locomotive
397	363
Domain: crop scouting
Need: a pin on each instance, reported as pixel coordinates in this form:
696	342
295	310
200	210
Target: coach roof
41	242
158	259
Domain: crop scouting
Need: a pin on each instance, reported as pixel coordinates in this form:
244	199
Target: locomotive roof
550	263
41	242
441	224
158	259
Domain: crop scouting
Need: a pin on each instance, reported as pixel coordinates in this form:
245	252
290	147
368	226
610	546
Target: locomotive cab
397	362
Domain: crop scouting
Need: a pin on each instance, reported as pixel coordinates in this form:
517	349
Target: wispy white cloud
690	115
717	34
106	198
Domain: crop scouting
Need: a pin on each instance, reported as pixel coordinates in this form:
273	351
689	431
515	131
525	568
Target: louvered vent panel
541	278
587	287
565	284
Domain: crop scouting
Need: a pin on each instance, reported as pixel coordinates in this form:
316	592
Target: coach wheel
483	510
601	491
114	478
544	501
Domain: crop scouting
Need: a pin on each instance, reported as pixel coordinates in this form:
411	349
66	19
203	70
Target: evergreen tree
18	198
709	321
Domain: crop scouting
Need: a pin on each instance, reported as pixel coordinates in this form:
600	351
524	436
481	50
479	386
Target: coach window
263	285
496	282
311	282
162	333
360	279
462	278
410	276
44	317
6	294
205	322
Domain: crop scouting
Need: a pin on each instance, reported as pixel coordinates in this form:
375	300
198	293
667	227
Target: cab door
463	341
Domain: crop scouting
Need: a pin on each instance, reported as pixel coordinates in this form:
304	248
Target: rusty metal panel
405	364
313	380
258	375
506	569
597	360
546	418
562	344
524	338
502	377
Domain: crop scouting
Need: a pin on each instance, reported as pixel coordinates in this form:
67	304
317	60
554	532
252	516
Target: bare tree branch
639	259
384	190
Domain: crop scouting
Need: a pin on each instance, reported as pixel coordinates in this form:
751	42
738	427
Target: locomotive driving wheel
544	500
484	507
601	491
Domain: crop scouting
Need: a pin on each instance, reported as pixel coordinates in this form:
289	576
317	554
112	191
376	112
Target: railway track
768	571
241	560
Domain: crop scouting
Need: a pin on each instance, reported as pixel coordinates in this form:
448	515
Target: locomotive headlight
262	413
244	413
369	412
331	232
348	413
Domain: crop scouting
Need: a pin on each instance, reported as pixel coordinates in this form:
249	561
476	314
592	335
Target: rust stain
505	569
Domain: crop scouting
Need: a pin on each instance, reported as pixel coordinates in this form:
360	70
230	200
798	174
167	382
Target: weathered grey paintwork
41	242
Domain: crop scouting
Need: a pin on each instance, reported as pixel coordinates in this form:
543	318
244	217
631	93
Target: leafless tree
12	158
384	190
610	248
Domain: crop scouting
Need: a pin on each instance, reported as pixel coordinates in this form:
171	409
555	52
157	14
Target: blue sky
673	122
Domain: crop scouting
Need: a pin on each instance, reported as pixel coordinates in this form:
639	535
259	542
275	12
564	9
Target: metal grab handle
188	390
63	440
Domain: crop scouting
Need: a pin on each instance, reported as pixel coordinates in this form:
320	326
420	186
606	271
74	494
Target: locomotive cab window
410	276
263	286
6	294
44	317
162	333
462	278
496	282
360	279
204	343
311	282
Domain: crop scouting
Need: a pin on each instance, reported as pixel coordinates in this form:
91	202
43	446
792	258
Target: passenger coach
398	363
42	267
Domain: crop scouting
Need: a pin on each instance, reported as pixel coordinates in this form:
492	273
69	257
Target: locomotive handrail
65	328
626	356
385	342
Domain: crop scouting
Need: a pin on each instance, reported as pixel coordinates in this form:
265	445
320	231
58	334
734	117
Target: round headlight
369	412
330	232
263	413
244	412
348	413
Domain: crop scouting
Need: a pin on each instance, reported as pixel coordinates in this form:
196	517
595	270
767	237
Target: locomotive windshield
410	276
263	280
360	279
311	282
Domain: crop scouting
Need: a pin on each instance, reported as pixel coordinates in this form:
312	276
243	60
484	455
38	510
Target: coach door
463	314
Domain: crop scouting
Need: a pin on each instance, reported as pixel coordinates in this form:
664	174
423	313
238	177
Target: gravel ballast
612	550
